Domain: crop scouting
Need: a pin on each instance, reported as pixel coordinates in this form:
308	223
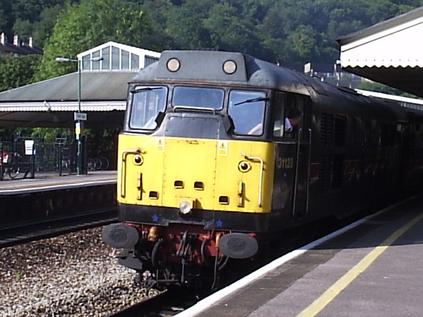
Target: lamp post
78	115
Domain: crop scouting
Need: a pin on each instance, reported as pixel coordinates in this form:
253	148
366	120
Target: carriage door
300	115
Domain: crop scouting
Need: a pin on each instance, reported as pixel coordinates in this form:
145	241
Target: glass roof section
116	56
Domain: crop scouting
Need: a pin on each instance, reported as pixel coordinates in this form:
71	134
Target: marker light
185	207
138	160
173	65
244	166
229	67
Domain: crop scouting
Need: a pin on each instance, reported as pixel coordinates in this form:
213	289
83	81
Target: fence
19	160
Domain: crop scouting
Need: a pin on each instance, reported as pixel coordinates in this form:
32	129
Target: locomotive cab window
198	98
246	109
293	120
147	104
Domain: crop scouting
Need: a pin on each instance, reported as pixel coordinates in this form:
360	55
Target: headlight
229	67
173	64
185	207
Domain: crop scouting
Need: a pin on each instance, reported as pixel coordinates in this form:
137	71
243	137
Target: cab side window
247	109
293	115
279	114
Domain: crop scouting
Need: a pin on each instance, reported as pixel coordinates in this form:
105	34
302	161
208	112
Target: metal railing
24	157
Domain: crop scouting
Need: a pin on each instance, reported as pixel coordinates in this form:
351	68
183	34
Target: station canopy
104	86
390	52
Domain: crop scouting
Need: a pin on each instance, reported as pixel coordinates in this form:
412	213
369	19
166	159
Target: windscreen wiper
135	90
194	109
252	100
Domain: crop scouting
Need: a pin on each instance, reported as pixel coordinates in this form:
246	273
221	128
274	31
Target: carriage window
198	97
147	103
246	109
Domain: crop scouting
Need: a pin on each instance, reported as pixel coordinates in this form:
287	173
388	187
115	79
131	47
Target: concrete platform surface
50	181
373	269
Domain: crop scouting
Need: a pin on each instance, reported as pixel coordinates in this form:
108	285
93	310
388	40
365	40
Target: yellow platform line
320	303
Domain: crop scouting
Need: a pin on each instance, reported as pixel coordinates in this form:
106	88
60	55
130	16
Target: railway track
168	303
24	232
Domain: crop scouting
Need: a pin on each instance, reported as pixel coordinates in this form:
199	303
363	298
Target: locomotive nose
120	236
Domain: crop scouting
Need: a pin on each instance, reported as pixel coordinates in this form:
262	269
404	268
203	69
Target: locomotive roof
208	67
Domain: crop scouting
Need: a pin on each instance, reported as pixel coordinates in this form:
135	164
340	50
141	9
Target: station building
389	52
105	72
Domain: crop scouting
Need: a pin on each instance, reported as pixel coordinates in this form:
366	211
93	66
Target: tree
17	71
302	43
230	30
31	9
5	17
185	24
91	23
158	12
44	27
23	28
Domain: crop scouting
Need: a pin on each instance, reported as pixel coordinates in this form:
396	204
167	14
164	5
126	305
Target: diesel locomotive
221	152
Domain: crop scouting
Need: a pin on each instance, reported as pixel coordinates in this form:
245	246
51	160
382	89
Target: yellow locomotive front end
190	175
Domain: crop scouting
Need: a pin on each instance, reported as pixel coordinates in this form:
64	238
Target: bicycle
11	164
98	163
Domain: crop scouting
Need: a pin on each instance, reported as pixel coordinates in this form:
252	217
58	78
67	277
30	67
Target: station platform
52	200
373	267
52	181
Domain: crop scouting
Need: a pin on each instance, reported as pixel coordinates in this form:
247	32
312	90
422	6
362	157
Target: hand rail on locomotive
260	160
136	151
297	157
308	171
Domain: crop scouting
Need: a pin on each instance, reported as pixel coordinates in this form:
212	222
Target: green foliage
42	29
17	71
88	24
27	18
184	24
228	30
302	42
5	16
101	141
3	19
23	28
49	135
286	31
